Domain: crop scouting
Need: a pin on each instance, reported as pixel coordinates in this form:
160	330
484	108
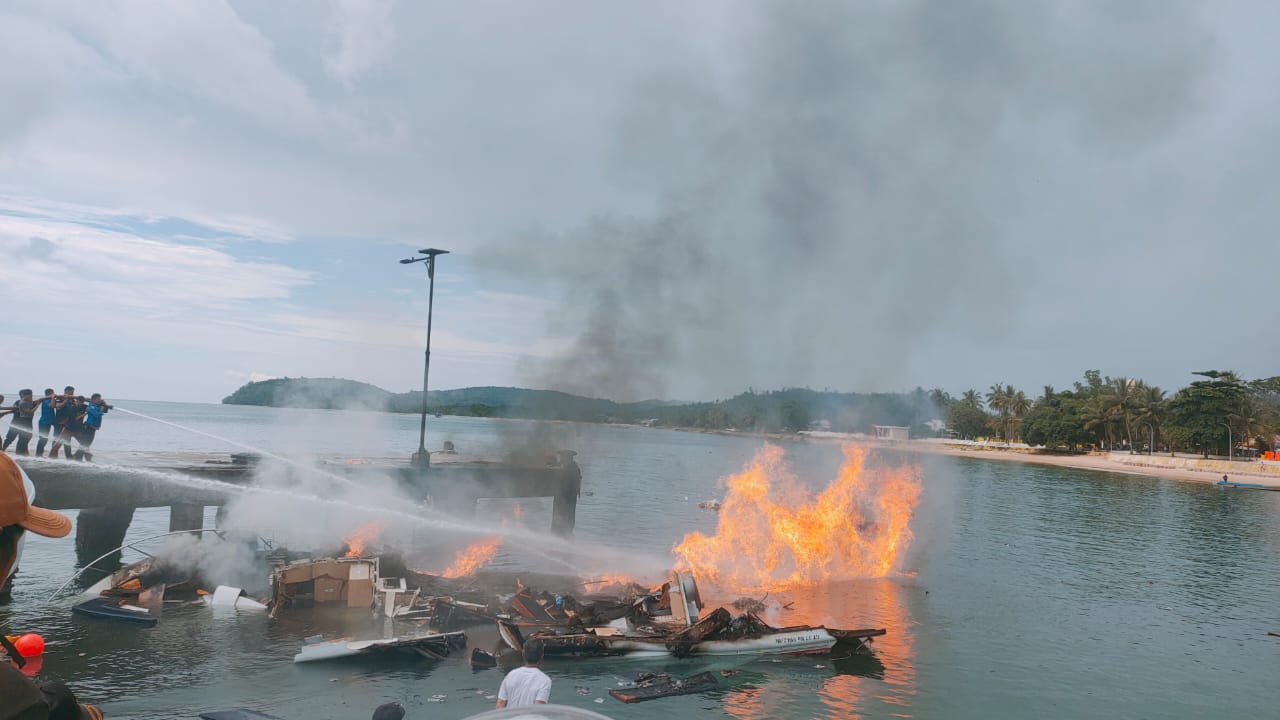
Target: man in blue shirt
45	424
93	412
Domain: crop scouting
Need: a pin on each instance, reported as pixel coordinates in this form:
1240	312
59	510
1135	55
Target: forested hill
782	410
324	393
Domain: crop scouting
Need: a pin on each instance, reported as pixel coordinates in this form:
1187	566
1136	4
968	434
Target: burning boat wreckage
628	620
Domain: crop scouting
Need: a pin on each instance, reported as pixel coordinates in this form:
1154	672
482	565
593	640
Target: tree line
1097	412
1217	411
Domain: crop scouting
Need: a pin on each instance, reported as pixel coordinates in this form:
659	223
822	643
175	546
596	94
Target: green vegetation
1119	413
323	393
780	411
1096	413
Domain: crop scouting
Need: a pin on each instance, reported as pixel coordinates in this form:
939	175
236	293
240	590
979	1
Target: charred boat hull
802	640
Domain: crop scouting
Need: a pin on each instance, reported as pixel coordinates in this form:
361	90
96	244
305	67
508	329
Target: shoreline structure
1183	467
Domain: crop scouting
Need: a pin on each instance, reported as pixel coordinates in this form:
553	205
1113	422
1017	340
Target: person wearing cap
24	411
17	515
24	699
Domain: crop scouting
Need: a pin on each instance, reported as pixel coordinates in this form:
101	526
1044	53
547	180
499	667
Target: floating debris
481	660
651	686
435	646
665	621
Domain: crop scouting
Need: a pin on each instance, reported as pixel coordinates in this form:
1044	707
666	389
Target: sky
664	199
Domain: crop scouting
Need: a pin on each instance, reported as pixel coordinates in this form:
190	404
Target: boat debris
651	686
106	608
435	646
237	714
225	596
348	581
481	660
665	622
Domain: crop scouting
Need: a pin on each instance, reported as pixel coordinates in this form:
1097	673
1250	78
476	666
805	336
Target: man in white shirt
526	685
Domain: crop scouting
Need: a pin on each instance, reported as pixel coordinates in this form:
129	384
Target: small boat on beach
1229	485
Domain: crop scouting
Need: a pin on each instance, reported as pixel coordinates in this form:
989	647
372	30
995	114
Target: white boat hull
796	642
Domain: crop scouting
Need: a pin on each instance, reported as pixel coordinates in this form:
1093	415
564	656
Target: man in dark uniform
24	411
64	411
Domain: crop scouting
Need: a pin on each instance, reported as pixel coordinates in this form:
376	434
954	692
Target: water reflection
851	682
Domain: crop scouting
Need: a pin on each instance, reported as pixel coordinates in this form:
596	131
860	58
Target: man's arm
501	704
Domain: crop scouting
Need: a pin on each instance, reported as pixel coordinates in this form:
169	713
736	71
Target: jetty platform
107	492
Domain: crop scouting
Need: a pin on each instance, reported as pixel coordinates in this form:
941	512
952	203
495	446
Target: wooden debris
659	685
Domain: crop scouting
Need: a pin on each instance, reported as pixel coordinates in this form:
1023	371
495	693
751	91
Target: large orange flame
473	557
359	538
773	535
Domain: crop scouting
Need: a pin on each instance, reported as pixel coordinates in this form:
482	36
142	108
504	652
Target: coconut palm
972	397
1149	409
998	401
1121	397
1018	404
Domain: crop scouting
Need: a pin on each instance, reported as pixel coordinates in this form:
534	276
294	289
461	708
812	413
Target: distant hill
323	393
787	410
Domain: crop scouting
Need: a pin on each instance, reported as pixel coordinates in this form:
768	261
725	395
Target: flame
473	557
358	539
775	539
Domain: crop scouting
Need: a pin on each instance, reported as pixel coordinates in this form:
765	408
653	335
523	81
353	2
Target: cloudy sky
665	199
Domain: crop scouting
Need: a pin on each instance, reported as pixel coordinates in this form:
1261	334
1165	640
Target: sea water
1035	591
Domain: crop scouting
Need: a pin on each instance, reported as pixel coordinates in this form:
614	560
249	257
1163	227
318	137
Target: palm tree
1099	421
972	397
1149	408
1122	395
998	400
1018	404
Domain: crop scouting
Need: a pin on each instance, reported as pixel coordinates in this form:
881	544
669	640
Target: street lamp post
1230	453
422	458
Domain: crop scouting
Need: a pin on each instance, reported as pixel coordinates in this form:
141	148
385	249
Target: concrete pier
100	530
107	492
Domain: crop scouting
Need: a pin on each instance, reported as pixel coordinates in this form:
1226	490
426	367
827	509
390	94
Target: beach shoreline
1158	466
1182	468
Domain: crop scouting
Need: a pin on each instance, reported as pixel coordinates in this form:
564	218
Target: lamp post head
432	252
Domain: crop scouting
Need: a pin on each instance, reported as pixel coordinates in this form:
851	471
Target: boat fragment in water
435	646
665	622
651	686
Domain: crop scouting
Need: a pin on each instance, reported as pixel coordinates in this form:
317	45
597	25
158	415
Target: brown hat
15	510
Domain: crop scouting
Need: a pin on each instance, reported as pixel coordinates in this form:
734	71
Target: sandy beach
1163	466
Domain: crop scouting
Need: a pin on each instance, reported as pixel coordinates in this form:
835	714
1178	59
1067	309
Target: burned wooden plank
864	634
660	685
681	643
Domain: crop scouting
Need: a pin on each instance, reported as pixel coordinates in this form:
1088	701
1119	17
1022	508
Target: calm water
1037	592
